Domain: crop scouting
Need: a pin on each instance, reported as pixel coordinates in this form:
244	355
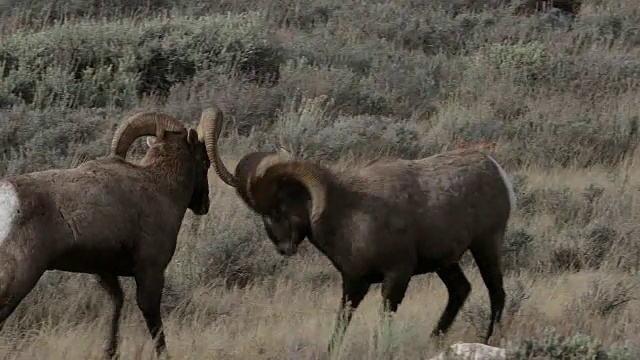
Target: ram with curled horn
386	222
107	217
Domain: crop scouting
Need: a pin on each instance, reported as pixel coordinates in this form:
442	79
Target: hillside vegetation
343	82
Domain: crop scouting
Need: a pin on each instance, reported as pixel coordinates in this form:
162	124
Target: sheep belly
93	261
91	244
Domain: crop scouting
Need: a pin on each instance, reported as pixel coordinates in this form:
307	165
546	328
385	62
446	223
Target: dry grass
290	321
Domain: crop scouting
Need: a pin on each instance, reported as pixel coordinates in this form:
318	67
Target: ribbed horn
263	188
142	124
209	129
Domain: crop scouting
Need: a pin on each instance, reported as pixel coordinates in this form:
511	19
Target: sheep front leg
353	291
17	279
458	288
112	285
149	284
394	287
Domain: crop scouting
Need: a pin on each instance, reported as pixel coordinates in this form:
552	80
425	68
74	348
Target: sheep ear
150	141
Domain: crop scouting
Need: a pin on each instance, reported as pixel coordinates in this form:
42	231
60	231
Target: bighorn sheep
386	222
107	217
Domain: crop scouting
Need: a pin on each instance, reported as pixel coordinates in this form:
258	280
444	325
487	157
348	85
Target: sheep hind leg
112	285
458	288
149	284
353	291
487	259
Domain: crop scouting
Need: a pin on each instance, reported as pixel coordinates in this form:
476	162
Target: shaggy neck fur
172	167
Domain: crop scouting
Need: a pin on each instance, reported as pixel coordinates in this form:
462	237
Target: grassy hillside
342	82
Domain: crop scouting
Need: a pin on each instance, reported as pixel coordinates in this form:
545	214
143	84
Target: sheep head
171	138
290	196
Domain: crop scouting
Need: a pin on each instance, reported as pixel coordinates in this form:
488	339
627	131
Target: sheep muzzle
203	208
288	248
285	238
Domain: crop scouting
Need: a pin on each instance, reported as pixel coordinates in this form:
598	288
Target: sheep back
437	205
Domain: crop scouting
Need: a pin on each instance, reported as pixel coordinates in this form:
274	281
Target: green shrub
219	252
551	345
308	130
37	140
96	64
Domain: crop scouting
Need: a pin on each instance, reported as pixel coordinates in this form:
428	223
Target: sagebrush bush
94	64
551	345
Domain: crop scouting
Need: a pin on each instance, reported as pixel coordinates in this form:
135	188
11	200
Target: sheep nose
287	249
202	209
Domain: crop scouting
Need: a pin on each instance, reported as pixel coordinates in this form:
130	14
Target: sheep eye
277	214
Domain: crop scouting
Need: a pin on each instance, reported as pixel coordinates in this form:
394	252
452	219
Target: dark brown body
419	215
73	212
390	221
106	217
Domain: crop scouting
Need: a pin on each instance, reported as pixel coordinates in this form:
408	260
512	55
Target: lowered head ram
107	217
386	222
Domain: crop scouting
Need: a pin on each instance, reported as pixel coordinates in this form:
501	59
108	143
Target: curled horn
209	129
262	188
142	124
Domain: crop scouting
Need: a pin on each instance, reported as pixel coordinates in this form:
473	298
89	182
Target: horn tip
212	110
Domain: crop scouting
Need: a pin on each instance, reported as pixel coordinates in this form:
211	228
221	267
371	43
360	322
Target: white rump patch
9	204
507	183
